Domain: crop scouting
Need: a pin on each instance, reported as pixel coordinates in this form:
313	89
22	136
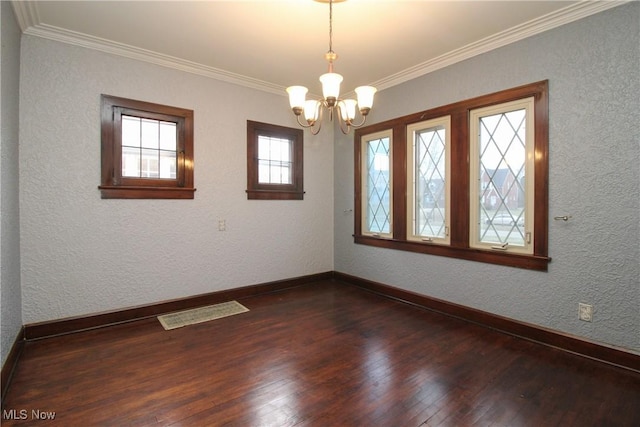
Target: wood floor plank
323	354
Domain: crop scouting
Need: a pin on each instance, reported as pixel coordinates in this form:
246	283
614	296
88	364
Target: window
502	176
470	182
376	181
147	150
428	168
274	162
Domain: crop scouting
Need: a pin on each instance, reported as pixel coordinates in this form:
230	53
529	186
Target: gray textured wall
11	309
593	70
82	254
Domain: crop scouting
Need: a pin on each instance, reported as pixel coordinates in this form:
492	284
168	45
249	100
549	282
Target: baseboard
10	364
598	351
82	323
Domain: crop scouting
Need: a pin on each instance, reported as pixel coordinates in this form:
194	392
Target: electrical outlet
585	312
222	225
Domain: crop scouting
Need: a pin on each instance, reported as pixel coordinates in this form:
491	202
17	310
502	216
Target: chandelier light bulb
311	110
365	97
331	86
347	110
297	95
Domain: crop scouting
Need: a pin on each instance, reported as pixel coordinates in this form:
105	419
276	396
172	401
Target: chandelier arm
316	130
344	126
364	120
304	125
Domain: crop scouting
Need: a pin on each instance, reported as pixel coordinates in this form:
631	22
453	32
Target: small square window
147	150
274	162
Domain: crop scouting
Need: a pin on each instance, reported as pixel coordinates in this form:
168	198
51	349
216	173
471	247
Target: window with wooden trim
502	175
376	184
470	182
147	150
428	169
274	162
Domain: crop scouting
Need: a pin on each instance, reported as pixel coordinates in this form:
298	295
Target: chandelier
346	108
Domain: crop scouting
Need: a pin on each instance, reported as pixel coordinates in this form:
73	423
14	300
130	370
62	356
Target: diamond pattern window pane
430	173
378	219
502	178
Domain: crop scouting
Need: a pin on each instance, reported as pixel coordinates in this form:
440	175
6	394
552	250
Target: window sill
530	262
274	195
137	192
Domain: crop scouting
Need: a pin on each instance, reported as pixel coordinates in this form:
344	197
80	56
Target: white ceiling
271	44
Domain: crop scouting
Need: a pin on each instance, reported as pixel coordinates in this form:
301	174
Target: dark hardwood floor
324	354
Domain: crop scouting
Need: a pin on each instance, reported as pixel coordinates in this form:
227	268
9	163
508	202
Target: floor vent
202	314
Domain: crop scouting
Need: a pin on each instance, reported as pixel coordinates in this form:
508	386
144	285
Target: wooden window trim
113	185
261	191
460	204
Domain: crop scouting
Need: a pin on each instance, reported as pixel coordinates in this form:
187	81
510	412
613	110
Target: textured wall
592	66
11	309
81	254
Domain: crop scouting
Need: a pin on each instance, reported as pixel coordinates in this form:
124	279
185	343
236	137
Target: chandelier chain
330	26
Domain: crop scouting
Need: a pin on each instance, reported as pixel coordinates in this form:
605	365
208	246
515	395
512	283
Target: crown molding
26	14
108	46
29	21
539	25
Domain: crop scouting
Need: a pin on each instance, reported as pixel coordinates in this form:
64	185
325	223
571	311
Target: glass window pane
131	162
502	139
285	150
168	164
275	149
378	206
168	136
263	147
285	173
274	172
264	172
149	167
130	131
430	184
150	133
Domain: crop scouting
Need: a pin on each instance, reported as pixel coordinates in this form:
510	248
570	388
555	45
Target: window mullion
459	206
399	183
